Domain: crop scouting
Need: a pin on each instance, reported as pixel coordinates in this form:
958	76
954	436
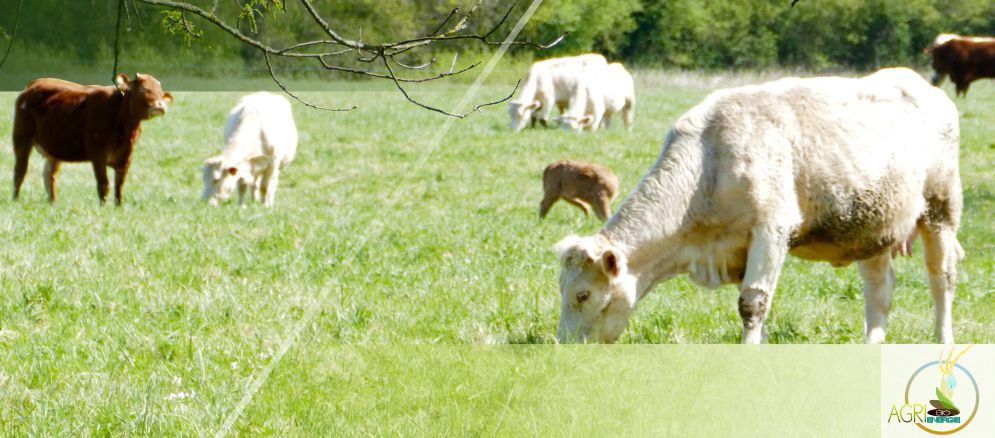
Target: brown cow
965	59
581	184
77	123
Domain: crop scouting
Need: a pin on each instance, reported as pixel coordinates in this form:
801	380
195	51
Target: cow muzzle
158	109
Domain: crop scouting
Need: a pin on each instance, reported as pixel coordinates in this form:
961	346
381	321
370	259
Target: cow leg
768	248
961	83
51	169
546	204
545	110
270	181
580	204
595	121
242	187
100	173
942	253
879	284
22	152
563	108
629	114
119	174
964	90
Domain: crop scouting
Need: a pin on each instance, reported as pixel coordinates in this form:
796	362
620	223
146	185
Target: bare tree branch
440	111
117	45
481	38
389	48
336	44
272	75
412	67
328	30
408	80
451	14
13	33
138	15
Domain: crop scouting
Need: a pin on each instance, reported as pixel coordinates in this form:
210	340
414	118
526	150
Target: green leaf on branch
175	23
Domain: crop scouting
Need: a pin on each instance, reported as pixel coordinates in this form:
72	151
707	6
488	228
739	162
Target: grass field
154	318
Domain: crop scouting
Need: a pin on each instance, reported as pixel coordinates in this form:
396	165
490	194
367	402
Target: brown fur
964	60
582	184
77	123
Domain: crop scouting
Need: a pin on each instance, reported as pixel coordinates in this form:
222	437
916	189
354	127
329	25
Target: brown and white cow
964	59
77	123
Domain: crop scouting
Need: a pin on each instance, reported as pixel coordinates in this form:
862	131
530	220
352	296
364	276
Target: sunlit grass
151	318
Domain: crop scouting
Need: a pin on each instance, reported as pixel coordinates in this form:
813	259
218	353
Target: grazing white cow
602	93
550	83
260	139
830	169
587	103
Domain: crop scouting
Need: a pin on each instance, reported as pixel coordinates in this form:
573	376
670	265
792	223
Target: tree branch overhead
453	28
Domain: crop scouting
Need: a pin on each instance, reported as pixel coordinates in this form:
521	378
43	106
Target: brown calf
581	184
964	59
77	123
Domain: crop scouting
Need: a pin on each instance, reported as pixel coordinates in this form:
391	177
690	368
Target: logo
941	396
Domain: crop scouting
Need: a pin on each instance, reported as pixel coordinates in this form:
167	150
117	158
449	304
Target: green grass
109	316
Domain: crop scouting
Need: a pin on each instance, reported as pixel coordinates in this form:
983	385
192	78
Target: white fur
603	91
260	139
830	169
550	83
944	37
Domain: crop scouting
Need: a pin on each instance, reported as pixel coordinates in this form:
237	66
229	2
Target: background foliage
687	34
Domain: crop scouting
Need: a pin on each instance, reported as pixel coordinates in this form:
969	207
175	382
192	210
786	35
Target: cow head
596	290
219	180
575	123
521	113
144	94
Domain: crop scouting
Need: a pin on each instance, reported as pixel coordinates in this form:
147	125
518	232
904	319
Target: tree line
686	34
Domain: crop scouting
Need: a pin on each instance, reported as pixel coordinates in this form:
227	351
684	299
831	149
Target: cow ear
611	264
167	97
232	171
121	80
534	105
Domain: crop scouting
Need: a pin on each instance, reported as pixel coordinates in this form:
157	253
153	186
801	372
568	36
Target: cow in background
964	59
550	83
69	122
260	139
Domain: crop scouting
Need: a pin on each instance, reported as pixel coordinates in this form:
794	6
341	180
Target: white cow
260	139
550	83
602	93
587	103
831	169
619	94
